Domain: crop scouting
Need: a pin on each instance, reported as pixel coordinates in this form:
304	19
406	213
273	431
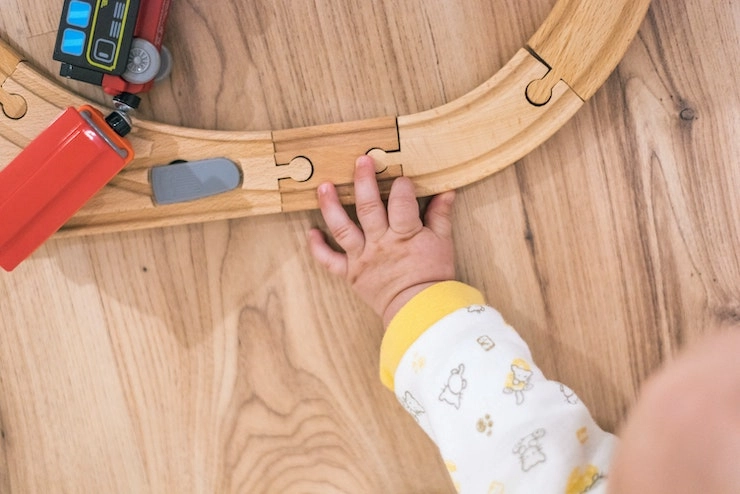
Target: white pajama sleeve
500	425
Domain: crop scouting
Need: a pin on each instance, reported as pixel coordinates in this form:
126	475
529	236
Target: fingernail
361	160
323	189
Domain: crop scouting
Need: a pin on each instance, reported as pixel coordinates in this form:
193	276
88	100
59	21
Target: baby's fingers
438	217
370	209
334	262
347	234
403	209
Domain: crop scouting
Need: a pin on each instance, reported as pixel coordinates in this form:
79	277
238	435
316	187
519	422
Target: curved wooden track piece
530	98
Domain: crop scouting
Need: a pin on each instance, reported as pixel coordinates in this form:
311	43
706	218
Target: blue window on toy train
73	42
79	14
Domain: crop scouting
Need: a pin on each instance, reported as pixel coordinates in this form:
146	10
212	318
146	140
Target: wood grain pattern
583	57
219	358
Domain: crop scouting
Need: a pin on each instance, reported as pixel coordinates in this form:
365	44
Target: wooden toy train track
496	124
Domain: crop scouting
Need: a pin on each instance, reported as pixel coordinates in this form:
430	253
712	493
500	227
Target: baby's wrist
402	298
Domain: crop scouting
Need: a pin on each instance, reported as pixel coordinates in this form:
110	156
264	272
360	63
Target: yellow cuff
418	315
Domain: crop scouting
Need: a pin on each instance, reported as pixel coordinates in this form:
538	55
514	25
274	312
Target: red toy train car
54	176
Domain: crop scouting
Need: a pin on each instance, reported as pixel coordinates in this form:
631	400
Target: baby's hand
392	255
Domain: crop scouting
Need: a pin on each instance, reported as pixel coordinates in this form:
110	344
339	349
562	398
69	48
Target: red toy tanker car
54	176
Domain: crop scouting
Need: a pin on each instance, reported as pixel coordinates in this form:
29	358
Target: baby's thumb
438	217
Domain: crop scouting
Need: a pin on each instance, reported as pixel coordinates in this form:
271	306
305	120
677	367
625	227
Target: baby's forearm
469	381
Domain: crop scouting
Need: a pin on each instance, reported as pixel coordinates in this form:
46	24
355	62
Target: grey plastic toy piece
191	180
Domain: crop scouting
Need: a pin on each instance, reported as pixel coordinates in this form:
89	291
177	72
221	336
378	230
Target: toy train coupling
119	119
58	172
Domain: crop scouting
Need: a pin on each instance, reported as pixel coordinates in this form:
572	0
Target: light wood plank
232	363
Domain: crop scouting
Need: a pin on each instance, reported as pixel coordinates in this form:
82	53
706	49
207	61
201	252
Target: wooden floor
220	358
